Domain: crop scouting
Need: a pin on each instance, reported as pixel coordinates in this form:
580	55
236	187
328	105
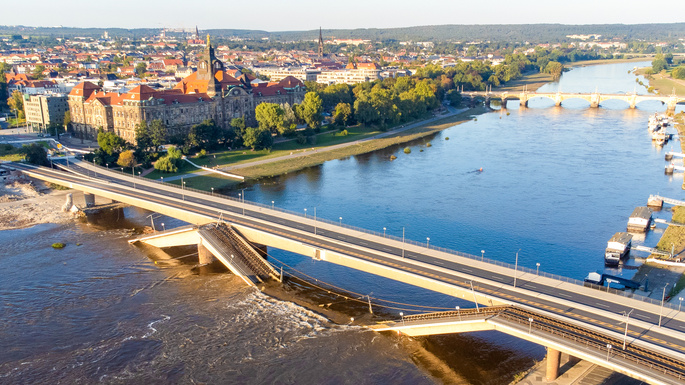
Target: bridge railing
612	350
520	269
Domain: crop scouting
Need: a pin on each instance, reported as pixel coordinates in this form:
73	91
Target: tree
258	138
312	107
38	72
165	164
67	120
270	117
140	69
204	135
16	102
143	137
659	63
342	115
110	142
678	72
158	134
554	68
36	154
126	159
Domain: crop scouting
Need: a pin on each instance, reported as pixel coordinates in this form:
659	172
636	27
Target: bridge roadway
492	284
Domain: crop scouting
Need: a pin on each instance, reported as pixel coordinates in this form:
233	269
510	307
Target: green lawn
233	157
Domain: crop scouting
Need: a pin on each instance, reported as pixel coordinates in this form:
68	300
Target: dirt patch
24	204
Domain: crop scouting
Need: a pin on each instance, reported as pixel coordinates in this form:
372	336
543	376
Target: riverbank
24	204
261	168
663	83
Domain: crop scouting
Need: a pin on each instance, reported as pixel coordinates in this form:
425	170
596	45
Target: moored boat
617	248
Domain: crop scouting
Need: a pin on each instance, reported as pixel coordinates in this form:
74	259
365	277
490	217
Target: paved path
292	155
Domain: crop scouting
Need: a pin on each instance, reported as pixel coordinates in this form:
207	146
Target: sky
299	15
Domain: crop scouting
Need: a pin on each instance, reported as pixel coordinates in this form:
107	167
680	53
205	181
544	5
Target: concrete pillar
204	256
504	103
553	358
90	199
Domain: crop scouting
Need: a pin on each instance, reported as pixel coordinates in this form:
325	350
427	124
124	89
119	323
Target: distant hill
534	33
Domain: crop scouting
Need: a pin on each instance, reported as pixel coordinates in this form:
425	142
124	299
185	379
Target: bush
202	153
301	139
165	164
407	150
342	133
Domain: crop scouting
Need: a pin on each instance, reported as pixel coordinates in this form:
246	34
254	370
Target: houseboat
639	220
617	248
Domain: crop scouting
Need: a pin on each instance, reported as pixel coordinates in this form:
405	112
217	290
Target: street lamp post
530	324
212	190
161	179
402	315
458	313
681	303
482	255
272	205
133	175
625	335
661	310
340	221
163	228
384	232
537	268
402	241
122	171
243	195
474	296
305	213
516	266
427	242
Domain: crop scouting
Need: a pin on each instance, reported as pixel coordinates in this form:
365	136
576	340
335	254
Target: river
556	184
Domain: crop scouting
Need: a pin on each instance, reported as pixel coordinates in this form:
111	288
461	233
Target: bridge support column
553	358
670	107
89	199
504	104
204	256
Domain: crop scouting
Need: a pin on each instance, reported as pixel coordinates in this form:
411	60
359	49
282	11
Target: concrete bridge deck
594	98
452	273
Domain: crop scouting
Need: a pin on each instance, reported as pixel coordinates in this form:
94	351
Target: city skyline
301	15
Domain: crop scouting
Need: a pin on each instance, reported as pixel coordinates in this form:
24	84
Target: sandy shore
24	204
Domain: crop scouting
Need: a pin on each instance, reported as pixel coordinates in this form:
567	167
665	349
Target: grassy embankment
15	154
663	83
674	236
279	167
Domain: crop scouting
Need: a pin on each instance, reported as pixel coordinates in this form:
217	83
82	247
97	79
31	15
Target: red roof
84	89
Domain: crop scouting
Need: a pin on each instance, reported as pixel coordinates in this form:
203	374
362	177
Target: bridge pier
89	199
553	358
504	103
204	256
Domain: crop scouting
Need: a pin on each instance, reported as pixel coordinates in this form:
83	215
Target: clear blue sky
296	15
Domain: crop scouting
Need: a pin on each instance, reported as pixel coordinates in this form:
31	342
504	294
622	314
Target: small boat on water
617	248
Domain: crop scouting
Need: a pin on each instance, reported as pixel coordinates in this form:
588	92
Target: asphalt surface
670	337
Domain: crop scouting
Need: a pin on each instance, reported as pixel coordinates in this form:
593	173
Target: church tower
320	44
207	68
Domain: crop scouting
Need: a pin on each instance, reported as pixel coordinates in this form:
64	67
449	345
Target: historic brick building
209	93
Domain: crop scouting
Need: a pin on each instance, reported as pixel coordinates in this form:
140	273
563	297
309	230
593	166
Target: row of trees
666	61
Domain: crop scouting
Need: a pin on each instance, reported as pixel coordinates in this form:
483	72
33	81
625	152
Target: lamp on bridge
681	302
402	315
458	313
482	255
427	242
305	213
340	221
537	268
383	232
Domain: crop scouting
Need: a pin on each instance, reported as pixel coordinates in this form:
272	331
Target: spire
320	43
197	33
